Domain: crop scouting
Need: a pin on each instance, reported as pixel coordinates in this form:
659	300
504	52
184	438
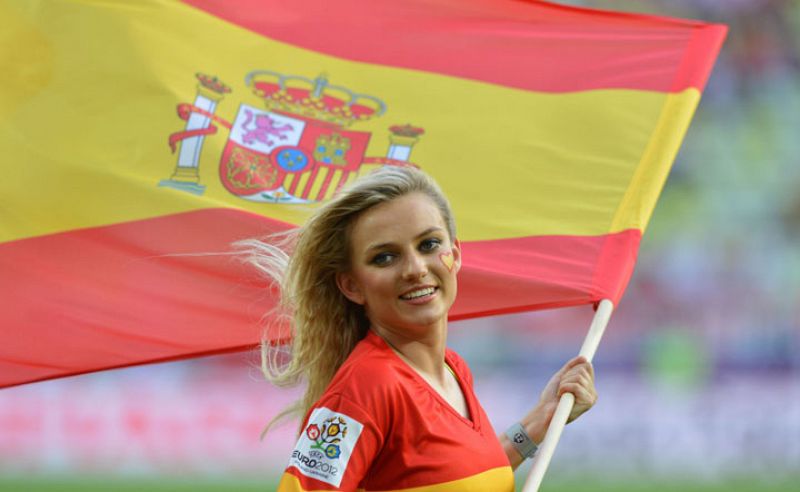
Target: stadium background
699	373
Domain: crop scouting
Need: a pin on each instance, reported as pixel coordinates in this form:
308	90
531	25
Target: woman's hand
576	377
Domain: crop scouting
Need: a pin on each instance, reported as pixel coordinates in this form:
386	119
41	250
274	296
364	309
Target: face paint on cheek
448	260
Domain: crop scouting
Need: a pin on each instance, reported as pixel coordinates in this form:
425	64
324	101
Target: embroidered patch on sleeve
324	448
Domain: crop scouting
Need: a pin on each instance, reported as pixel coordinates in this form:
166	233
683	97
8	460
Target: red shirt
380	427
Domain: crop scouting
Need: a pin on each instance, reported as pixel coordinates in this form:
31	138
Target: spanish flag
136	137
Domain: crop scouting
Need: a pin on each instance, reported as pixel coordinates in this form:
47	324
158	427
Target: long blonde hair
325	325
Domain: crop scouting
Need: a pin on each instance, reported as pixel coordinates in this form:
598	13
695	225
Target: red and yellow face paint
448	260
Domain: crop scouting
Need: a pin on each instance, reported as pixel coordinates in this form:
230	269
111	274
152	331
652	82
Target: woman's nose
415	266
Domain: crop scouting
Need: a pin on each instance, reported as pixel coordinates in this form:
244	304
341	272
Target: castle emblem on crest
297	148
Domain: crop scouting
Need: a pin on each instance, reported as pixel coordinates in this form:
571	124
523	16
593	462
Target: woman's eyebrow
428	231
418	236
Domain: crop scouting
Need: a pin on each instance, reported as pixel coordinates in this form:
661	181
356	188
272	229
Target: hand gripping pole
548	446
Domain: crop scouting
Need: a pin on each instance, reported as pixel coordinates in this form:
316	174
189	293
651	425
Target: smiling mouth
419	293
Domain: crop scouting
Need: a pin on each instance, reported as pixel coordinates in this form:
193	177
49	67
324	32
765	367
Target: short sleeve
335	449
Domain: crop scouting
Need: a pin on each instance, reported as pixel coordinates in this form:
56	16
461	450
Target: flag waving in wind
134	136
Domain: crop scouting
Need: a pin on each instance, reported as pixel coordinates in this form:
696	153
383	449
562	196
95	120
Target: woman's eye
381	259
429	245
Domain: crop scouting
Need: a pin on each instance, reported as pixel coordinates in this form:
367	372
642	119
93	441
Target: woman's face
404	266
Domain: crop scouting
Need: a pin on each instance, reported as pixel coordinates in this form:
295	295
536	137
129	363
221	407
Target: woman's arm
576	377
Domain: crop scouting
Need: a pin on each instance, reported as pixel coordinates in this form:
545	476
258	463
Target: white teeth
418	293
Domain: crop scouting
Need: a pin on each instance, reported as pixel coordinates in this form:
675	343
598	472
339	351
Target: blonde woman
388	406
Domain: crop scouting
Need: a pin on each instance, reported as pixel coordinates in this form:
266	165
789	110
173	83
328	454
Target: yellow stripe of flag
85	128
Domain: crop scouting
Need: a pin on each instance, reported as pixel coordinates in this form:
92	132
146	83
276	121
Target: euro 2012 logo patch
323	450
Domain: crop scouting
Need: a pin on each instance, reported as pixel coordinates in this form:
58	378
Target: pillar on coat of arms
402	140
186	175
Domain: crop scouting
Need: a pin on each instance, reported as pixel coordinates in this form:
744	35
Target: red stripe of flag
106	297
493	40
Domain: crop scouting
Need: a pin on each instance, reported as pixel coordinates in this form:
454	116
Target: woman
368	286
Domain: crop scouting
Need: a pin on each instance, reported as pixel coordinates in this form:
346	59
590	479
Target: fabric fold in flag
138	141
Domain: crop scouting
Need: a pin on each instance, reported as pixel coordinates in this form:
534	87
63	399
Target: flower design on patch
312	431
333	429
332	451
328	437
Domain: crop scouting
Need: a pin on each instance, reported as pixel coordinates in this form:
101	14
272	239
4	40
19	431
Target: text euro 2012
315	464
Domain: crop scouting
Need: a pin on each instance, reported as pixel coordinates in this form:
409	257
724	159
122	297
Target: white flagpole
548	446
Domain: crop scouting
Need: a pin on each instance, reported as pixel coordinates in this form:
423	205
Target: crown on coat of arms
314	98
212	83
406	131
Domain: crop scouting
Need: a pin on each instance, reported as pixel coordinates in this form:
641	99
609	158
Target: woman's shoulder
366	387
369	369
373	360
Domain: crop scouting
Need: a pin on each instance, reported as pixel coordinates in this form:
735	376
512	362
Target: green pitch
72	484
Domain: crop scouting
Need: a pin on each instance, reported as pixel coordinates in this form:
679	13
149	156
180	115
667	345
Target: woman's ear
457	255
350	288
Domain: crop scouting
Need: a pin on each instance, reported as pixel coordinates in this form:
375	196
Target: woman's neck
425	353
425	356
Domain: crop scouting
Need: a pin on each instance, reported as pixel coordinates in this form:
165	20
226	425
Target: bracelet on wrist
521	441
